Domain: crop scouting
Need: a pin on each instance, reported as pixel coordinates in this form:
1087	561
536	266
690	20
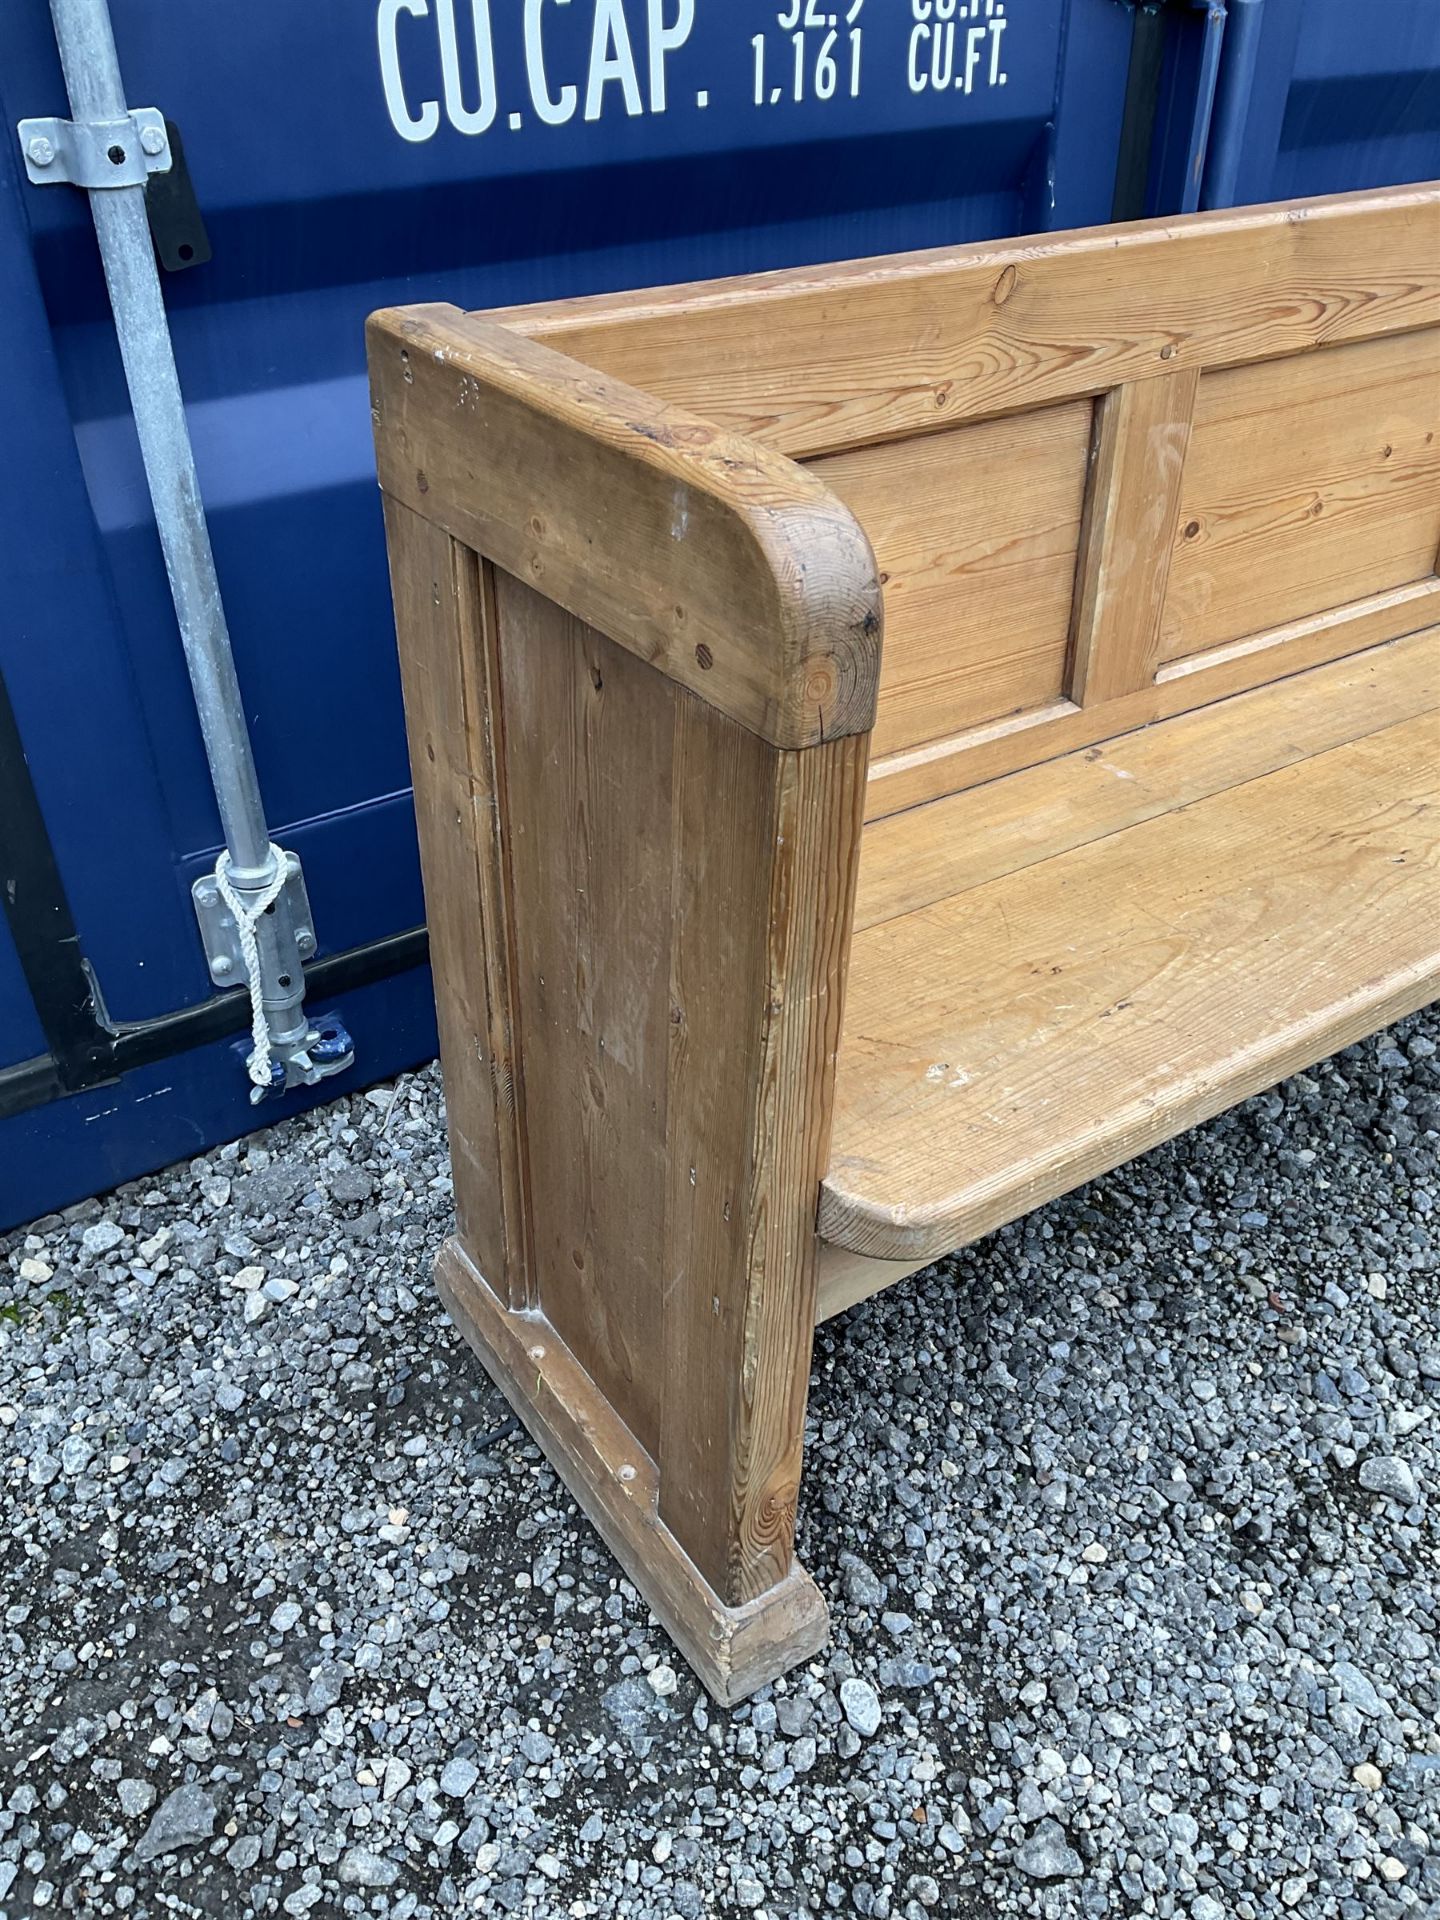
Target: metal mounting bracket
96	153
220	936
303	1052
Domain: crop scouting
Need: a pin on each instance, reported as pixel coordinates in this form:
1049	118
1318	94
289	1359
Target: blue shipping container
344	157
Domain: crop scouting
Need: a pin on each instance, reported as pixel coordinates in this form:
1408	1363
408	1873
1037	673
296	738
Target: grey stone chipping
1126	1519
184	1818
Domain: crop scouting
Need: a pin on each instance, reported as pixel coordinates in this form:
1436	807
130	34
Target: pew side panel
656	890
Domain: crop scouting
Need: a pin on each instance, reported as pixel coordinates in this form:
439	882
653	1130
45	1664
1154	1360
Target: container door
345	157
1346	94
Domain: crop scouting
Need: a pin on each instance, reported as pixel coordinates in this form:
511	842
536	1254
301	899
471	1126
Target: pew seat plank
1139	956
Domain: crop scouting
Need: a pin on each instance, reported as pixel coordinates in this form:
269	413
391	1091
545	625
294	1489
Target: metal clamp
221	937
96	153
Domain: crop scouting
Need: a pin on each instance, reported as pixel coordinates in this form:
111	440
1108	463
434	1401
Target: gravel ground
1128	1518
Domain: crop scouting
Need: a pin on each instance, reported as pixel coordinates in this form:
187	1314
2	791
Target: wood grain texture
588	746
639	727
765	856
1128	988
910	860
1142	434
821	359
443	652
733	1650
680	894
1311	483
910	779
721	563
976	534
1341	630
479	623
845	1279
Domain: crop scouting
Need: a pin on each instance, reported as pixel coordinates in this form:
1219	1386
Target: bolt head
152	139
221	967
40	151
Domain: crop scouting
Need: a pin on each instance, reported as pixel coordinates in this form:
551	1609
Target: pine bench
771	967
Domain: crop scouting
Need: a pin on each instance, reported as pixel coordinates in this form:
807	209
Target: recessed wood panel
582	717
1310	483
969	759
976	533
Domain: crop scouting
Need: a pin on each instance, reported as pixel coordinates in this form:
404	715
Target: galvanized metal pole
102	130
92	78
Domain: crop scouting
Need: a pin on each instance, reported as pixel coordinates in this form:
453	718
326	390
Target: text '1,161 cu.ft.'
952	45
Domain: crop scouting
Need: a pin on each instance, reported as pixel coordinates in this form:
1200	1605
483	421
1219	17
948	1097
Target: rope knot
246	919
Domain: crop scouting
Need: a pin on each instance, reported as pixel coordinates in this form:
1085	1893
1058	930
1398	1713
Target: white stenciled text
956	44
438	61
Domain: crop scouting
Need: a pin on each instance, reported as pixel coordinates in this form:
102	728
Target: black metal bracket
177	225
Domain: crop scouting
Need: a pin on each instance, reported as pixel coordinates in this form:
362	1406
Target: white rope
246	918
